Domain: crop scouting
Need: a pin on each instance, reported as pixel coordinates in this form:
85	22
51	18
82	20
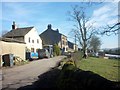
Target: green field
107	68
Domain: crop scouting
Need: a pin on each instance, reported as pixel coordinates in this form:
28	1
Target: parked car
50	49
31	55
43	53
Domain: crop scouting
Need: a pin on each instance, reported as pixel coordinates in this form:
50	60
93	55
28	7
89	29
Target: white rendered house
27	34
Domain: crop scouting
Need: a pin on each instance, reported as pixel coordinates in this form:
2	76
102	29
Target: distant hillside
115	51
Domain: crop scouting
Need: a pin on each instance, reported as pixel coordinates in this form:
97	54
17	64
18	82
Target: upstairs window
63	43
29	40
37	40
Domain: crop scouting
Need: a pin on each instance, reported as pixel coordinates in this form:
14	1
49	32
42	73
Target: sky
40	14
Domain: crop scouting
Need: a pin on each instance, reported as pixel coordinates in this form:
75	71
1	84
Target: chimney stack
49	26
14	25
57	30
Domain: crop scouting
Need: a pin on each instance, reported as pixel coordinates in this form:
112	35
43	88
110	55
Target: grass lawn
107	68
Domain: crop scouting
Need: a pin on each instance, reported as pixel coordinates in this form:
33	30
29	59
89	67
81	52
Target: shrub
56	50
65	79
77	56
71	62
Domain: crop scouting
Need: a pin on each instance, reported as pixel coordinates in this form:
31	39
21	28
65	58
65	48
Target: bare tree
83	29
95	43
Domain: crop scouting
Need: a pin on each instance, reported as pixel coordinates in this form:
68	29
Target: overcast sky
40	14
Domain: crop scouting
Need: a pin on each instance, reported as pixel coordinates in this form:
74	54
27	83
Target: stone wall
18	49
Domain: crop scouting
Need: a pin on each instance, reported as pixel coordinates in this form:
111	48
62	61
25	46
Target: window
29	40
37	40
63	43
66	43
32	41
66	49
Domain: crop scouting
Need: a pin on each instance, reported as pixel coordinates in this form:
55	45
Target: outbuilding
12	46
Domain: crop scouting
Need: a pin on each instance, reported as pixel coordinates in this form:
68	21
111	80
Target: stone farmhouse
51	37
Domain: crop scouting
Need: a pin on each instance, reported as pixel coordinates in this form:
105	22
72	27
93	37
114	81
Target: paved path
26	74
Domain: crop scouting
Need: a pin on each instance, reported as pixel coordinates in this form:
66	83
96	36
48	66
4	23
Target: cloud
101	11
14	10
105	15
18	12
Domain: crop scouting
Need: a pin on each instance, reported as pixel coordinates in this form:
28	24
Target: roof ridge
18	32
25	27
55	30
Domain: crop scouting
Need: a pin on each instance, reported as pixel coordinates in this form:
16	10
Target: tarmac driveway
26	74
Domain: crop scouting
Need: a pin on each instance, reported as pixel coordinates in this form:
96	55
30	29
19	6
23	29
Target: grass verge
107	68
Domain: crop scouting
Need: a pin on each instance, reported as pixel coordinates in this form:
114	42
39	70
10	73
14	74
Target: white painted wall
33	35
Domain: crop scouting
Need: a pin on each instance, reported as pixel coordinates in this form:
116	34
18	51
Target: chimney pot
49	26
14	25
57	30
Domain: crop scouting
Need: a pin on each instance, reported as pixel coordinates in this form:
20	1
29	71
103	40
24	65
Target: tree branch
111	29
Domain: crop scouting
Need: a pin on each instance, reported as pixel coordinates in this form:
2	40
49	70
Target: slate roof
70	44
18	32
50	36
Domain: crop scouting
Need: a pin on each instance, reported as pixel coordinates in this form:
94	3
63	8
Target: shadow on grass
71	79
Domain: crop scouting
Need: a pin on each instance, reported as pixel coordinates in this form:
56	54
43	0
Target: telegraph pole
75	42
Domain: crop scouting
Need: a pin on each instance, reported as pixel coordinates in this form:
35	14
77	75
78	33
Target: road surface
26	74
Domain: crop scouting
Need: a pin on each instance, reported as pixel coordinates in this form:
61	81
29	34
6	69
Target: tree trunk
84	50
